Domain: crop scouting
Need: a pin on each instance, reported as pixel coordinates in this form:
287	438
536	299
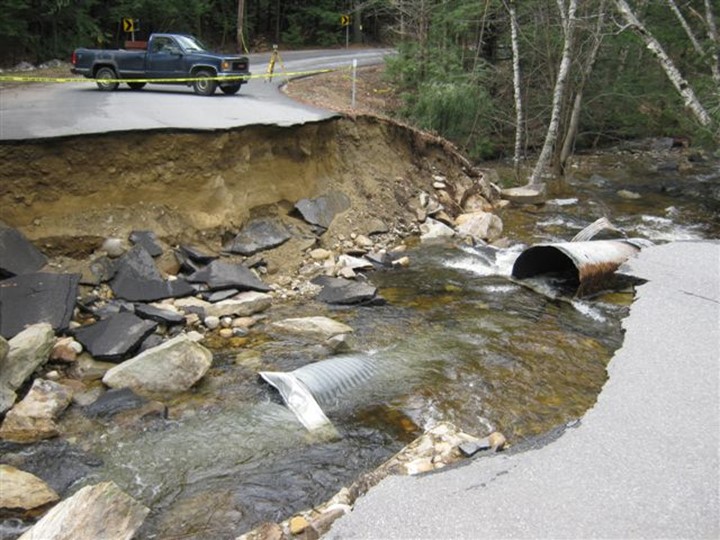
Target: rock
4	349
23	492
320	254
319	328
630	195
298	524
218	296
402	262
34	298
163	316
343	291
94	512
354	263
470	448
26	352
433	230
264	531
138	280
65	350
259	235
530	194
376	226
225	275
242	305
148	240
211	322
322	210
226	333
497	441
174	366
113	247
88	369
33	419
17	254
115	337
482	226
99	270
363	241
346	273
115	401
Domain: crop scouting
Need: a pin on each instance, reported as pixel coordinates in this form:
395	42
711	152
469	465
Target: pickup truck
164	59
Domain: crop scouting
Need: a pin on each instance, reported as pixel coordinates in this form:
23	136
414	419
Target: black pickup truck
163	59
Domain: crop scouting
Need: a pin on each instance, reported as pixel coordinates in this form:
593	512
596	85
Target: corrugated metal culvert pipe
585	267
305	389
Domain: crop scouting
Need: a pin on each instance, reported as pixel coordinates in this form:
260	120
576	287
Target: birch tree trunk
683	22
558	94
519	116
653	45
240	23
571	134
712	33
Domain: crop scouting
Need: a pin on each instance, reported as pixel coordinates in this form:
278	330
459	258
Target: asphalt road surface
643	463
43	110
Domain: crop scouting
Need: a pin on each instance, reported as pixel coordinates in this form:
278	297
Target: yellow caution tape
21	78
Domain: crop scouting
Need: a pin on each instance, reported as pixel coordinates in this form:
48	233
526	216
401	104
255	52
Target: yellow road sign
128	25
344	20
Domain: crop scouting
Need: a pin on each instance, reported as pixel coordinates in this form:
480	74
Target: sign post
345	22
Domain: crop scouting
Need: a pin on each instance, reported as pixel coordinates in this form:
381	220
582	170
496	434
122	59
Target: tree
517	87
682	86
569	21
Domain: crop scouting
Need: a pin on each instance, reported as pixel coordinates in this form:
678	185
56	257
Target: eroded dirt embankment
66	194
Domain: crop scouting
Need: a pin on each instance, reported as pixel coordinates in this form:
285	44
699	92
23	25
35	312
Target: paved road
643	463
53	110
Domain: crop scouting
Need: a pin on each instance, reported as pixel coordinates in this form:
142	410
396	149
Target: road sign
128	25
344	20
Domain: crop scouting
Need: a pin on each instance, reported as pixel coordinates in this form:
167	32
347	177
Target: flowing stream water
456	341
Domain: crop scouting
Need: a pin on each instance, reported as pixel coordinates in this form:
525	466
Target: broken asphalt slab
259	235
642	463
225	275
116	337
17	254
322	210
344	291
38	297
137	279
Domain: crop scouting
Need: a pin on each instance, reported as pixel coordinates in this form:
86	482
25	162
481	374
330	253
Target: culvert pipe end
585	266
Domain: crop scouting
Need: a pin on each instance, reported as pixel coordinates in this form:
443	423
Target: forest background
499	78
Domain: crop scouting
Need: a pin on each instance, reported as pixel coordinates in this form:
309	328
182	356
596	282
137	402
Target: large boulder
23	493
99	511
483	226
27	351
173	366
319	328
33	419
435	231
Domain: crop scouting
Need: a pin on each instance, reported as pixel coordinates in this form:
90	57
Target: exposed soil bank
67	194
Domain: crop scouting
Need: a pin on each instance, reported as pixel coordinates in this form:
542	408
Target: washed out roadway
643	463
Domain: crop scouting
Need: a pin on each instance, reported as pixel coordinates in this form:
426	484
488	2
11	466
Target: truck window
164	45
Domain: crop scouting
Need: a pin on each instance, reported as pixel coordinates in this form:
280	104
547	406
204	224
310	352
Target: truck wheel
136	85
104	77
230	90
204	86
